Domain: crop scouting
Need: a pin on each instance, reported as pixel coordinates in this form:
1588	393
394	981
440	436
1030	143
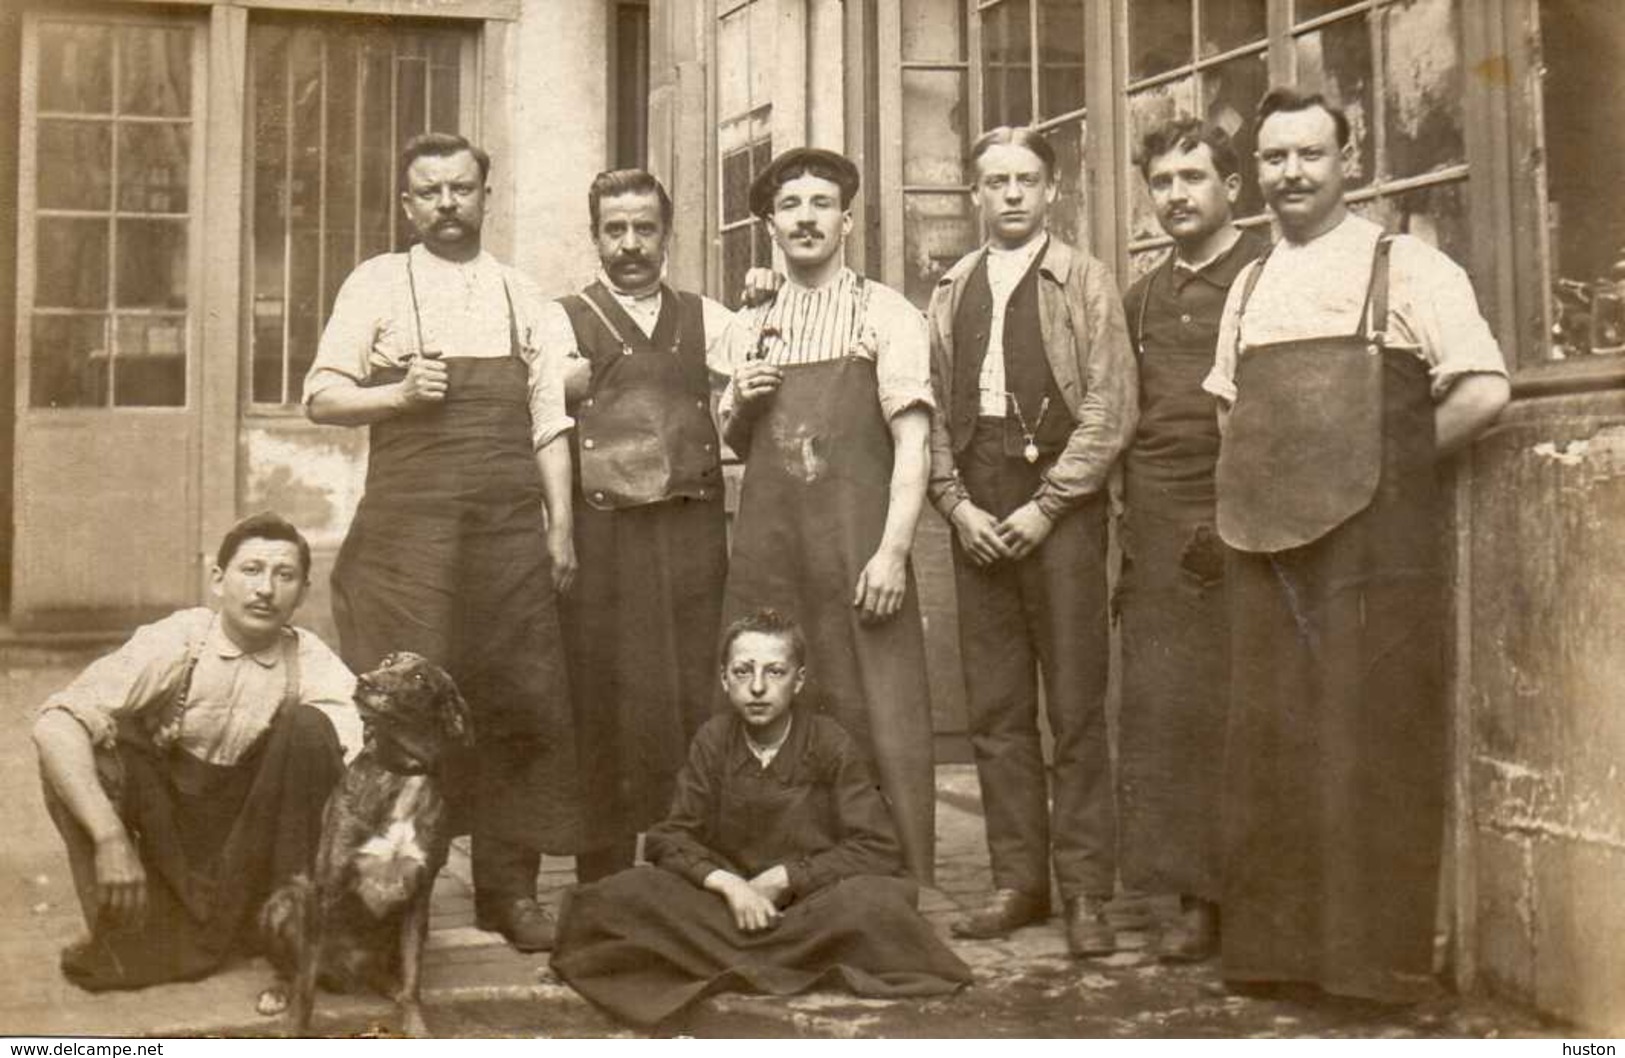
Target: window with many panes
332	105
744	114
1395	67
966	68
1577	151
110	134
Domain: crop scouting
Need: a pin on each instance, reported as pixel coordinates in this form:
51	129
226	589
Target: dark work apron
1336	757
447	557
214	839
641	621
812	511
1303	449
1172	607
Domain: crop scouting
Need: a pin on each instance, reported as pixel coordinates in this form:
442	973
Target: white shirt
810	325
234	694
1318	289
557	339
463	307
764	754
1004	271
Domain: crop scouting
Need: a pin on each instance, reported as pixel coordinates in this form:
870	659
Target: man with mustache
464	533
830	406
1349	362
642	618
1171	592
1036	390
187	770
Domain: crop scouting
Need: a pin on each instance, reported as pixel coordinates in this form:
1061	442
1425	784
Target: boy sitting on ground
776	871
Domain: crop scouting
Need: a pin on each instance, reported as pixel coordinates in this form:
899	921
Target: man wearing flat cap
830	407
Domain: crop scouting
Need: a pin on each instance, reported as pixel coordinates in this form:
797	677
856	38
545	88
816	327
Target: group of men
544	517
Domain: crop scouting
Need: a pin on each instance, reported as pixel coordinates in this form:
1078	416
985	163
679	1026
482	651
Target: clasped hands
754	904
988	540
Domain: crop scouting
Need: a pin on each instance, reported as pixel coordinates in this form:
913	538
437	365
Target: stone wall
1546	764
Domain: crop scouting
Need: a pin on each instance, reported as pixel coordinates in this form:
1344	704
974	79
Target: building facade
189	182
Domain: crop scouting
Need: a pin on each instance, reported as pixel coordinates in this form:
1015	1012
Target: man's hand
425	382
773	883
1025	529
121	882
756	381
561	548
881	586
761	285
752	912
978	533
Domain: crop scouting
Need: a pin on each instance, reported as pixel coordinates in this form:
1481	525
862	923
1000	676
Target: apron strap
417	313
166	729
1374	317
513	321
1145	299
1247	291
603	317
290	669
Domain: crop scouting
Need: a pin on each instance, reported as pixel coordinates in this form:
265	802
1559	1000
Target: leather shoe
1087	931
526	924
1005	910
1194	935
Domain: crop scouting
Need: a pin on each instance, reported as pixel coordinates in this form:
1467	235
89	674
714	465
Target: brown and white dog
361	922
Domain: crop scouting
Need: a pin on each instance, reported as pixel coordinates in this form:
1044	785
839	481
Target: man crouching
187	770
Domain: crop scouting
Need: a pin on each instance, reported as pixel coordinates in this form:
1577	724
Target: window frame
469	112
28	213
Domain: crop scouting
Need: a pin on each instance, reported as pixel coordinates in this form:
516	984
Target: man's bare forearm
68	764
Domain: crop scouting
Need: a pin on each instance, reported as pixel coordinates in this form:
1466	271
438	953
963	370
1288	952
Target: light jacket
1086	343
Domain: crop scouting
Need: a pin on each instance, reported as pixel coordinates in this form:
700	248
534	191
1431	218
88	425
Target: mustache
807	229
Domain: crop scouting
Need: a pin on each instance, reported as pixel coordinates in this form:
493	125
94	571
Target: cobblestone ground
475	986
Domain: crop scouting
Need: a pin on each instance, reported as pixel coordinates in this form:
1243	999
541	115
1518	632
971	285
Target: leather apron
1303	449
641	622
812	510
644	432
447	557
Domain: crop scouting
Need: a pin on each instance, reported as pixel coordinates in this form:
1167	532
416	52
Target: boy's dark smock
645	943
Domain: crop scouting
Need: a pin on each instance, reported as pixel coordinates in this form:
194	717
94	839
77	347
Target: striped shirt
844	317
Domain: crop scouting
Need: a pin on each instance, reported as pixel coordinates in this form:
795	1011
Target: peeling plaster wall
1547	759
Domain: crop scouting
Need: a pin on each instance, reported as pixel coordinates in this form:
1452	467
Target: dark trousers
1045	613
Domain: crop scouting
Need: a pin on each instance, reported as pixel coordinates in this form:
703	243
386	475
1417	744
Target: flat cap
769	180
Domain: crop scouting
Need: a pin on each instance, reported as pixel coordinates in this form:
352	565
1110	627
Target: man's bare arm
553	462
68	764
1470	406
349	404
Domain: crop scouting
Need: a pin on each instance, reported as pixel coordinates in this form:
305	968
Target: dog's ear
456	721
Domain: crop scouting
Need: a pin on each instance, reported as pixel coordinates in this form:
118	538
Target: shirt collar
222	646
652	297
1026	251
765	754
1221	269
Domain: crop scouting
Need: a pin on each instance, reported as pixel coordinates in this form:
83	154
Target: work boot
1087	931
1194	935
526	924
1005	910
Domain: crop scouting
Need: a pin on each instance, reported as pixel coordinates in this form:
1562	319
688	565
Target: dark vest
644	431
1027	373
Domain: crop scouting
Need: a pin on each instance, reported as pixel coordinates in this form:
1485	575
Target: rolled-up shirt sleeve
545	346
903	353
148	667
1438	311
720	322
361	316
1221	377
